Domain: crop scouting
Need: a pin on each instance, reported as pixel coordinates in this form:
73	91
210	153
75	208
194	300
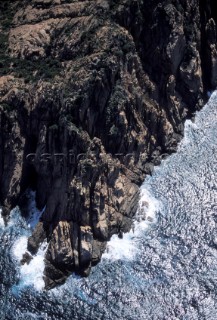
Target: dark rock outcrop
92	95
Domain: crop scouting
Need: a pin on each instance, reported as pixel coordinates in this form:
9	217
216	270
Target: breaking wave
164	268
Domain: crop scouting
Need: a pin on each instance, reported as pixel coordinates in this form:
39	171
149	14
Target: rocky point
93	94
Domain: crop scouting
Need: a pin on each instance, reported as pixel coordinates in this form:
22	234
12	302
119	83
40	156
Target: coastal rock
93	94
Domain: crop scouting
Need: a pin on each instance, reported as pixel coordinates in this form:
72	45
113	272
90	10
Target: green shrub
7	107
29	70
7	12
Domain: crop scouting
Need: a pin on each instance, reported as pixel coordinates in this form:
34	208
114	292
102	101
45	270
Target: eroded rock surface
106	85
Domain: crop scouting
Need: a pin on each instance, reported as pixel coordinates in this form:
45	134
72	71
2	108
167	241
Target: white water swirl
164	270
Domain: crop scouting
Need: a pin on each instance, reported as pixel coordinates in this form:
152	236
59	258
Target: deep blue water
166	269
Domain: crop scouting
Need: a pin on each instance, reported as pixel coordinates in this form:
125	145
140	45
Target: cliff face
92	95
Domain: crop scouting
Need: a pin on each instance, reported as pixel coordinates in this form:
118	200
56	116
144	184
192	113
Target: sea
165	268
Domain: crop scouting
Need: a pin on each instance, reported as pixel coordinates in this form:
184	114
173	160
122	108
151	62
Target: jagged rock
86	244
60	249
212	50
98	247
36	239
26	258
93	94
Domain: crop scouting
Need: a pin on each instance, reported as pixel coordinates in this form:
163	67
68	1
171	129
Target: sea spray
172	276
30	274
126	248
149	205
2	224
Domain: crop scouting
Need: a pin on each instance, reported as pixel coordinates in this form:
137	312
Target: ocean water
164	268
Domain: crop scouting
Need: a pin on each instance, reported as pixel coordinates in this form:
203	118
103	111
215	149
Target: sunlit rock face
92	95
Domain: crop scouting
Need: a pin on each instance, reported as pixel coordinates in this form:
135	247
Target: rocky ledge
93	94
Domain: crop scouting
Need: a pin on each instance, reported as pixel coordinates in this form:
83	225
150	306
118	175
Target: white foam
127	247
2	224
189	127
148	207
15	218
33	213
30	274
19	248
121	249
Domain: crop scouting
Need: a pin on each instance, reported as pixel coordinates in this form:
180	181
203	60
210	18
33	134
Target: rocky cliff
93	94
